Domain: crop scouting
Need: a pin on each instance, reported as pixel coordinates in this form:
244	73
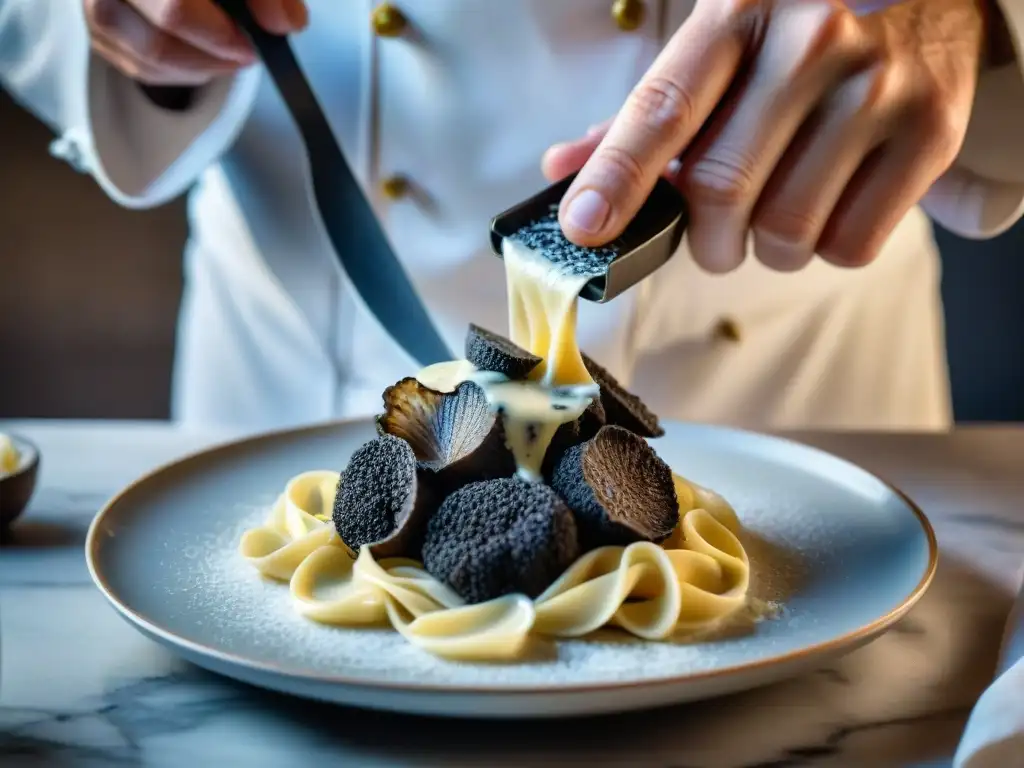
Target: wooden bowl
16	489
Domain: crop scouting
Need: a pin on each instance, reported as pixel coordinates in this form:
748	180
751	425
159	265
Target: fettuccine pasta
690	583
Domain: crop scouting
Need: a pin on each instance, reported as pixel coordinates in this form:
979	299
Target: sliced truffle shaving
382	500
456	434
618	488
622	408
500	537
489	351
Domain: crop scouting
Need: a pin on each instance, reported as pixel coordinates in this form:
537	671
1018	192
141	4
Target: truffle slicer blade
648	241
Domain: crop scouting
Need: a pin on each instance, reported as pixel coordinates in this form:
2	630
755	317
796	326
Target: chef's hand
799	121
181	42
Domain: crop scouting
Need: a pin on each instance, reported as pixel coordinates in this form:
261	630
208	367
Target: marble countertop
80	687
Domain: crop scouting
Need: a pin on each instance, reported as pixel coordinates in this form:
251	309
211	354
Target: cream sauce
542	300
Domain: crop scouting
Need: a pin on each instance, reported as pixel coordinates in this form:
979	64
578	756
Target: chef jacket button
395	187
629	14
388	21
728	329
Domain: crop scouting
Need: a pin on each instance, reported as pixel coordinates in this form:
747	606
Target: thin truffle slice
382	500
454	435
490	351
500	537
622	408
618	488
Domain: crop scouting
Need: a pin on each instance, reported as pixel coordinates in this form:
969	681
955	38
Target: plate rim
854	637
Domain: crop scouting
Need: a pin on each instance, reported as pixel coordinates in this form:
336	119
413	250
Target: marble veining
79	687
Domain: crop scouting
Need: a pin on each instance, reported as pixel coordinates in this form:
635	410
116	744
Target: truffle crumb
489	351
622	408
618	488
500	537
382	501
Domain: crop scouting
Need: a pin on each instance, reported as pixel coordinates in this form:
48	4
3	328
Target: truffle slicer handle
649	240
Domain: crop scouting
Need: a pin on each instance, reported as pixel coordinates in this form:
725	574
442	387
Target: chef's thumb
611	186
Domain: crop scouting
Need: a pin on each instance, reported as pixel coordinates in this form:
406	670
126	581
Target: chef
811	138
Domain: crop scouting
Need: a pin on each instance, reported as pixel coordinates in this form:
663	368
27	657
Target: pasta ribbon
690	583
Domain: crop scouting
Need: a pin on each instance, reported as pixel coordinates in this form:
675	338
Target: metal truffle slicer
649	240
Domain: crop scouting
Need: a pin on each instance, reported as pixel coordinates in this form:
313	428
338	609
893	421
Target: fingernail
297	14
596	128
588	211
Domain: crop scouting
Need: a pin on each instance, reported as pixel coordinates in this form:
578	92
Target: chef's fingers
660	116
146	54
889	183
560	160
280	16
807	49
806	185
200	23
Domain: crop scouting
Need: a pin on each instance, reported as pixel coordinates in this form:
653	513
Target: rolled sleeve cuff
144	155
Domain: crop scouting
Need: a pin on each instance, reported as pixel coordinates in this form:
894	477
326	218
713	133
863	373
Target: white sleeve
982	195
141	154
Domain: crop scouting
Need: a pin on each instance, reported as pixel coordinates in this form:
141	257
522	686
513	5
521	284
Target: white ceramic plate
165	553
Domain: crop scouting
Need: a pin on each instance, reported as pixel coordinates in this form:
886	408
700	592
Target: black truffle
618	488
382	500
622	408
500	537
455	435
573	433
489	351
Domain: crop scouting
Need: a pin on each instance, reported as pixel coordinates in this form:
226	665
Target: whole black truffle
490	351
622	408
500	537
382	500
454	435
618	488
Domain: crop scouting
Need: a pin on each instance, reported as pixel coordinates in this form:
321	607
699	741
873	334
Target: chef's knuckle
836	34
942	126
786	225
722	178
627	169
102	15
173	15
661	105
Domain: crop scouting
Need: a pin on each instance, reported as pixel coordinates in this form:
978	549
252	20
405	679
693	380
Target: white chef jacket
463	105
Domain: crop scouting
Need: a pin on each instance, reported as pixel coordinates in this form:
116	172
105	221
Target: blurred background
89	296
